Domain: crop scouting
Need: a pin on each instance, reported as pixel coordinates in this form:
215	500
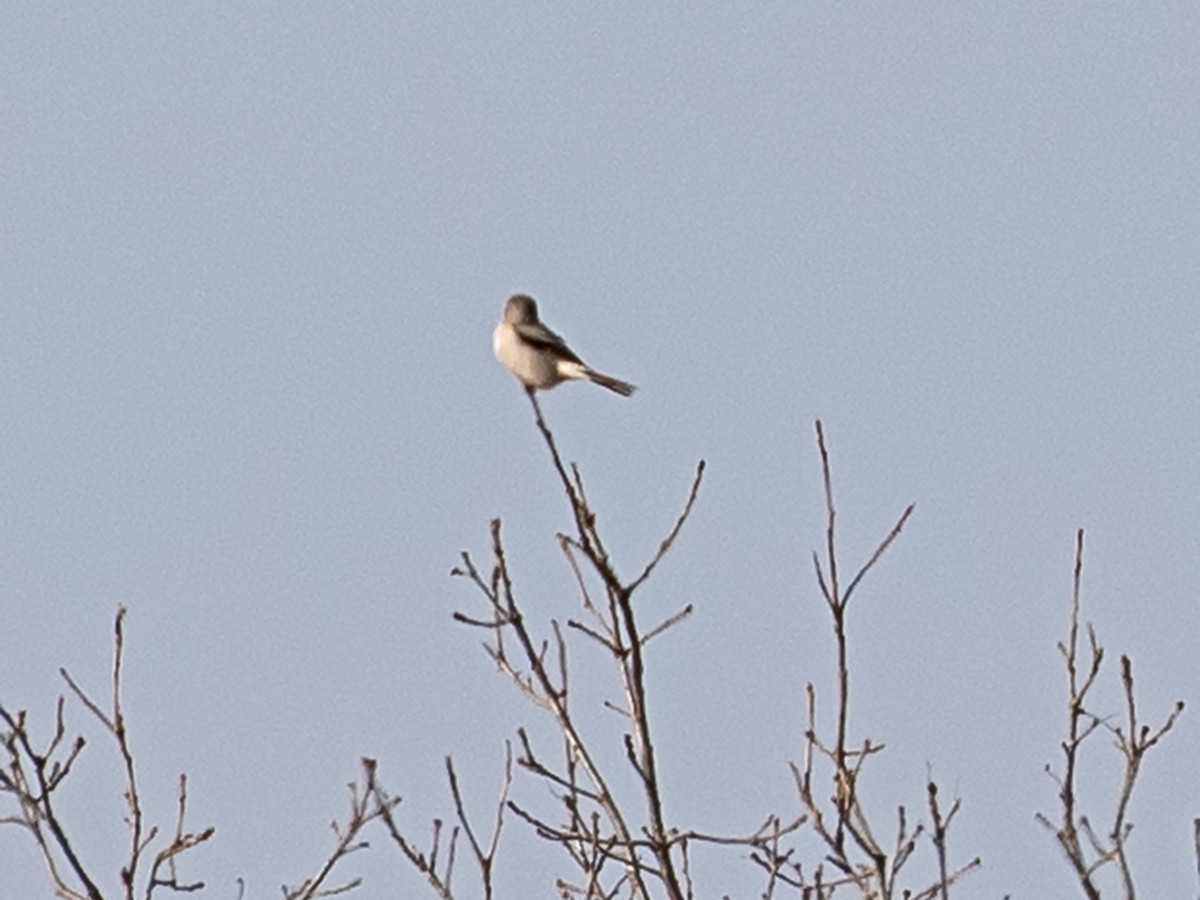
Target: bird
538	357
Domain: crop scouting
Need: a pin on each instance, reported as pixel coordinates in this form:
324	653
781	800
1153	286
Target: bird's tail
615	385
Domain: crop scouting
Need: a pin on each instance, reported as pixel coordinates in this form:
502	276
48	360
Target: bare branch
33	778
347	839
674	533
1133	741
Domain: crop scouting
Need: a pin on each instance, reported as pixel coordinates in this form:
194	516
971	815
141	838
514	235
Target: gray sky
252	256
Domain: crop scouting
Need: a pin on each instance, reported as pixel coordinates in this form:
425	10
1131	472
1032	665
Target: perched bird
537	356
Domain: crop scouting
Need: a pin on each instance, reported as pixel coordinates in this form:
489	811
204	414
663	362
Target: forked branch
33	778
1086	850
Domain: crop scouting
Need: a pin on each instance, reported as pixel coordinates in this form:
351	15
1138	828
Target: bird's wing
538	335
